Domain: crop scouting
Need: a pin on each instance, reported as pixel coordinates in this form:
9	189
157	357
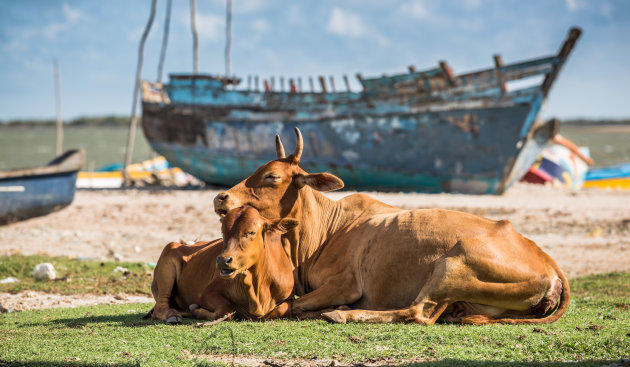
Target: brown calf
246	272
395	265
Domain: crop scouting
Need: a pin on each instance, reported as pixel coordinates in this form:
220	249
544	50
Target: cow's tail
562	306
148	314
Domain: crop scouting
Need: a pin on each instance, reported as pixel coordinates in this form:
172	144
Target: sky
96	45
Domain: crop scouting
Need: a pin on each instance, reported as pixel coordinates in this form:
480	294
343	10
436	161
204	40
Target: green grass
594	331
82	276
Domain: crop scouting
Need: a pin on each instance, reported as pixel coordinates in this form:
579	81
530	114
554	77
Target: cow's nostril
222	196
223	261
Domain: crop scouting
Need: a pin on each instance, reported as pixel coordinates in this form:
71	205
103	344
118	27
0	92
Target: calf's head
245	235
275	186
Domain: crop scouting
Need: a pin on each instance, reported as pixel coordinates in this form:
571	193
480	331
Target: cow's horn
299	145
279	148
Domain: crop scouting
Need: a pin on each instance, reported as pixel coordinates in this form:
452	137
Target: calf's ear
319	181
283	225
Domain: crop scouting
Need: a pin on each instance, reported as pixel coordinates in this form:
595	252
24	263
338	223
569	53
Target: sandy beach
585	232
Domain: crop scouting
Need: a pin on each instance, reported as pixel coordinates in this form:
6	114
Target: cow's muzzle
221	204
224	263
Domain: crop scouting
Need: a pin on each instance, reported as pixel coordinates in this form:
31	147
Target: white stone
44	271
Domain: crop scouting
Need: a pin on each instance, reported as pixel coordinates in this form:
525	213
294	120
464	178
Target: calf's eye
250	233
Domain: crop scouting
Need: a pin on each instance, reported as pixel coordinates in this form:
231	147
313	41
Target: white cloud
70	17
210	27
415	9
571	5
261	25
20	37
607	10
294	15
348	24
472	4
345	23
244	6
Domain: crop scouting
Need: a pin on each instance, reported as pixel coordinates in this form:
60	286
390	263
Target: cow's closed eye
250	234
272	177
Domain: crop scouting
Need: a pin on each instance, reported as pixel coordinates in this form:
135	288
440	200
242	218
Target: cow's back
198	270
394	252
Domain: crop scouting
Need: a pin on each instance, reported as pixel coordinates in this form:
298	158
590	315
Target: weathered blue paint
425	131
33	192
608	172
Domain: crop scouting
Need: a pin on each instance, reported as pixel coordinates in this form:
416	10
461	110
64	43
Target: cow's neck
319	218
270	281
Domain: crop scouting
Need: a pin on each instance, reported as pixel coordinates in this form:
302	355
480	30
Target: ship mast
228	38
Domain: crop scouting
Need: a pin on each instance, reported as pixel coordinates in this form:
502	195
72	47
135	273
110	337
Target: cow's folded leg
282	310
205	312
306	315
337	292
425	313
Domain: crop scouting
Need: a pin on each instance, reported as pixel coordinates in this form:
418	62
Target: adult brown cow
247	272
395	265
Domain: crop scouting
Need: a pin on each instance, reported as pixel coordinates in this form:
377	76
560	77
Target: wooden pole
228	39
360	79
322	83
498	63
133	123
58	105
347	82
167	23
193	28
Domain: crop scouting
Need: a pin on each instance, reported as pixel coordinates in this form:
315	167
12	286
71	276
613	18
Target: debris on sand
9	280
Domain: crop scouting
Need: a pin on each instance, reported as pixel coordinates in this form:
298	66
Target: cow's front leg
340	290
211	314
425	313
211	305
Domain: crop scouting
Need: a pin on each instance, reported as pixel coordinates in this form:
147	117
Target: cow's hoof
193	307
173	320
335	316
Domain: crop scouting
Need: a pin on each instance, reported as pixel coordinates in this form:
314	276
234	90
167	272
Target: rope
193	27
167	22
133	120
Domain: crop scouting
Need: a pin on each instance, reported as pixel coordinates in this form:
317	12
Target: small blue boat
429	131
27	193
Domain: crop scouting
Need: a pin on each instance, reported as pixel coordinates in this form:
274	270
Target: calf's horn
279	148
299	145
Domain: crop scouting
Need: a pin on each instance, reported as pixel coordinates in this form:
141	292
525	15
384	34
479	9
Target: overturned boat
32	192
427	131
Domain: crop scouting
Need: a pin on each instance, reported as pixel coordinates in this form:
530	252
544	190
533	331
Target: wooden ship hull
427	131
28	193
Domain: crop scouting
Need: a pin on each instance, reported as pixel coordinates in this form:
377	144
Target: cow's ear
283	225
319	181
